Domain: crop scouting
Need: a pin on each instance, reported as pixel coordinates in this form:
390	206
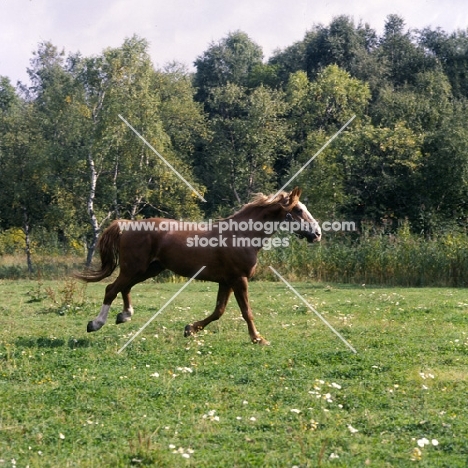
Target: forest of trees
239	125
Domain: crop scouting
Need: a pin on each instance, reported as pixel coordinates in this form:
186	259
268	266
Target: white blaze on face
309	218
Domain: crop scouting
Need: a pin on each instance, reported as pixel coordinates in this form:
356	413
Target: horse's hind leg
221	301
126	315
111	293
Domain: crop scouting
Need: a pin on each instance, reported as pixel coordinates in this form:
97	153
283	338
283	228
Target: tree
248	131
317	110
402	56
422	106
102	168
8	96
125	176
25	194
451	51
342	43
61	125
288	61
428	108
381	168
182	117
338	44
443	201
231	60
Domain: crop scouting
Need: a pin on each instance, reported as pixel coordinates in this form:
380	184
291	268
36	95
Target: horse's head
302	222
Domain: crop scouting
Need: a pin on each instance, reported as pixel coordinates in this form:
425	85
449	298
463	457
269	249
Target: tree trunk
94	176
114	183
91	245
232	182
27	239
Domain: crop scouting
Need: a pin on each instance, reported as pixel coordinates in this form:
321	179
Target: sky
181	30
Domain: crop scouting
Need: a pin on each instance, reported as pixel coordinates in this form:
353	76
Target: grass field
215	400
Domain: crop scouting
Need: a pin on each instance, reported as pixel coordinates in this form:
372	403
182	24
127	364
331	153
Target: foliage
11	241
317	110
381	167
248	130
231	60
451	51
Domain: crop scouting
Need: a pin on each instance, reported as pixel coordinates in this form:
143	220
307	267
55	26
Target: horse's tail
108	245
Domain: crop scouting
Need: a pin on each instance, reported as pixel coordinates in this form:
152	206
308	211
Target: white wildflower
422	442
352	429
211	415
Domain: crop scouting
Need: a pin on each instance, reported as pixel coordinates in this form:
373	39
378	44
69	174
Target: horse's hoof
189	331
93	326
260	341
123	317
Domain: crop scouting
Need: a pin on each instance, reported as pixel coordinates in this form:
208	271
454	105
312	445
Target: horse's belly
221	262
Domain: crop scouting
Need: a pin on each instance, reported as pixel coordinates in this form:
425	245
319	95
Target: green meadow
69	399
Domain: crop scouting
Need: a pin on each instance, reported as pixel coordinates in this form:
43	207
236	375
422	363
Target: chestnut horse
228	251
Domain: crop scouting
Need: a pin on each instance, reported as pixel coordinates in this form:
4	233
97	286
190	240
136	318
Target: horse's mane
266	200
260	200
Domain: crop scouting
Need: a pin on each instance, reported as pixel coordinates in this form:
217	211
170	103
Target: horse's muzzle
309	236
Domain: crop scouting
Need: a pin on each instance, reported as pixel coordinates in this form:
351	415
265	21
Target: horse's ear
294	198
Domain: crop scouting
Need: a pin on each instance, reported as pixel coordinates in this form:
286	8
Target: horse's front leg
240	288
221	301
127	312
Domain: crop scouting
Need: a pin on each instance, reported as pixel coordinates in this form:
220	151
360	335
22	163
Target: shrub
12	241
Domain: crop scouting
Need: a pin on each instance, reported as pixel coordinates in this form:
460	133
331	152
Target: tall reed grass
45	266
392	260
